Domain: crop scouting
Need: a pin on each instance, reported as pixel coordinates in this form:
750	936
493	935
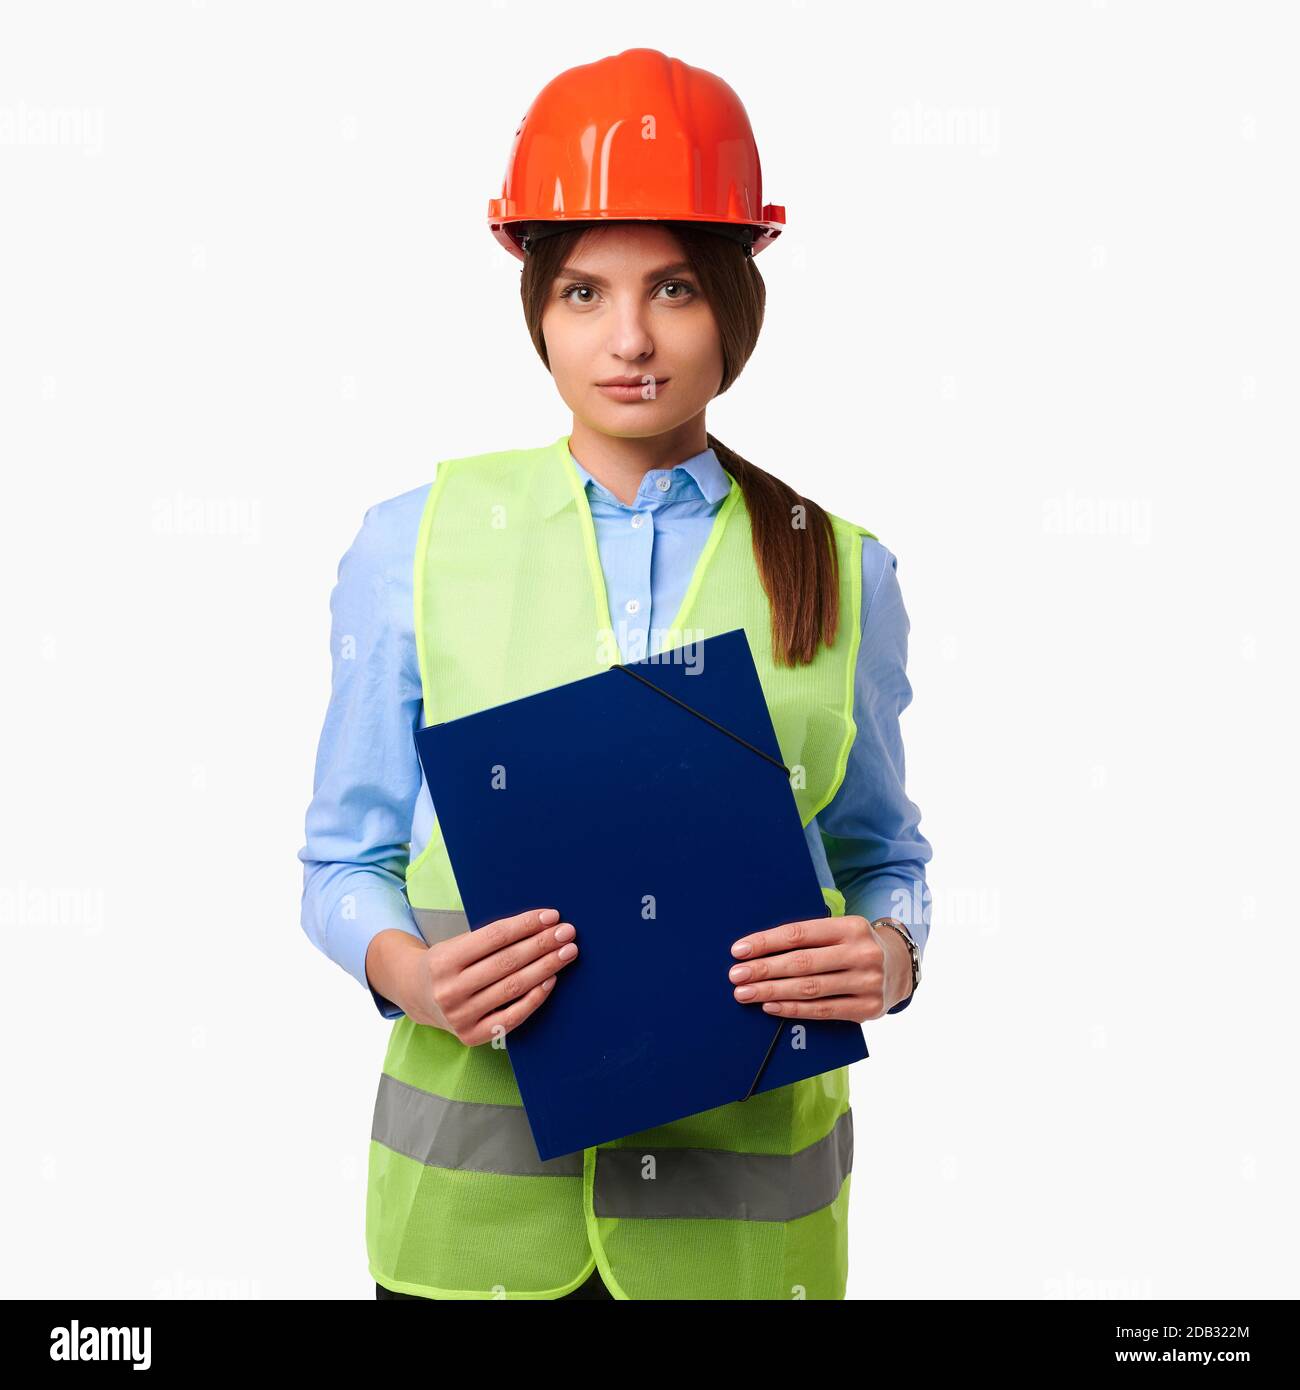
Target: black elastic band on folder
618	666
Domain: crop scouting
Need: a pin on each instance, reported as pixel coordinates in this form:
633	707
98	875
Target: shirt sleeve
871	830
367	777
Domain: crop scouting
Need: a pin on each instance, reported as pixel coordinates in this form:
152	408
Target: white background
1033	322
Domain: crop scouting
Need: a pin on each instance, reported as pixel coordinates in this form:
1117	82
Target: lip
630	388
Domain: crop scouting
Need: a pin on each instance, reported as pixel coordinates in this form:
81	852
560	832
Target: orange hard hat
636	137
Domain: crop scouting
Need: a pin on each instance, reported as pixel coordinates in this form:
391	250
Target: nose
629	334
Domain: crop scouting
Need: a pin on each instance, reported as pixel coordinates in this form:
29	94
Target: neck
619	464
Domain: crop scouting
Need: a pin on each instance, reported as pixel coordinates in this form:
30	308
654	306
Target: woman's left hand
828	967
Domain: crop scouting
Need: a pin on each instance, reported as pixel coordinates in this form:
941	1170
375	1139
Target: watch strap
913	950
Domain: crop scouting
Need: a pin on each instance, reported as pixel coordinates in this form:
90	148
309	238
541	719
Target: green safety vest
746	1201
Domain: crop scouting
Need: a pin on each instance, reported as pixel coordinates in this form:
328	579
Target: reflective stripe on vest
461	1134
710	1184
509	600
439	923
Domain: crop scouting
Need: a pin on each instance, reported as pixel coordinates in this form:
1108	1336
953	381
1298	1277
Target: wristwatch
911	946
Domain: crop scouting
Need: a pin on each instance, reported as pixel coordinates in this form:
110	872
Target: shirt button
637	520
663	484
634	605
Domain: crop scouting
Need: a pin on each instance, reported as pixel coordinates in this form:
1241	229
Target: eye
565	294
682	284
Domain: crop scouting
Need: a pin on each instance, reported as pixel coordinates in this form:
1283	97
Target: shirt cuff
358	917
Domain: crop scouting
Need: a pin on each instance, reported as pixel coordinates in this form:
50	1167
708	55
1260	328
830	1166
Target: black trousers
594	1288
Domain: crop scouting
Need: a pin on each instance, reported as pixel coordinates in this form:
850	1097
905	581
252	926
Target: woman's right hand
479	984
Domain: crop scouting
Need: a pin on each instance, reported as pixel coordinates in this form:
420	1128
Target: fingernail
564	932
548	982
737	973
568	952
746	992
741	948
548	916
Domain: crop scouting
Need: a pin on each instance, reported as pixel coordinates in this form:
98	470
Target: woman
506	576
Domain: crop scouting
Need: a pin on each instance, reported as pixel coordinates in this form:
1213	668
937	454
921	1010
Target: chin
637	419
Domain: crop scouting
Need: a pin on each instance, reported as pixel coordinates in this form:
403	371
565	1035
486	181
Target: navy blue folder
649	805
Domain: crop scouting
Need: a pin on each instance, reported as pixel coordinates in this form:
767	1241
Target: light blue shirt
371	812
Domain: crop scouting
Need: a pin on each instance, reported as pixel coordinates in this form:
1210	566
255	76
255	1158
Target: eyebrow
573	272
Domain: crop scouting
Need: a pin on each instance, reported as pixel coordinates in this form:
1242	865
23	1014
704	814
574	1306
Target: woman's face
625	306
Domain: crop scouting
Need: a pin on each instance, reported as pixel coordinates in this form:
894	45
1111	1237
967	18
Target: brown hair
798	564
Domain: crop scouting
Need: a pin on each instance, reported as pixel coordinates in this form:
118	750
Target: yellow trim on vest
706	555
850	677
466	1296
417	579
589	543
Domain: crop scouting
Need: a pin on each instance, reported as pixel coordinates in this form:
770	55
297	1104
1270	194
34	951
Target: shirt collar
709	475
